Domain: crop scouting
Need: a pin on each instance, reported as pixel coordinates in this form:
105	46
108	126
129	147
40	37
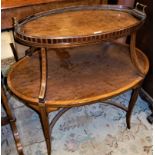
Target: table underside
78	75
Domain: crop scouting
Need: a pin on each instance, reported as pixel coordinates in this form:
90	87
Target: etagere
74	60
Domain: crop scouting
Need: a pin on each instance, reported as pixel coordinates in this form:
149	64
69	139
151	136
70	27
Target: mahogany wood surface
44	72
7	4
77	25
77	76
74	76
22	9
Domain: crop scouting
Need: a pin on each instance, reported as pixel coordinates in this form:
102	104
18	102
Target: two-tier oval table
73	59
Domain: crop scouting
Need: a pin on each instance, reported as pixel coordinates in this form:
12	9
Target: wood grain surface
7	4
75	26
43	70
22	9
77	76
77	23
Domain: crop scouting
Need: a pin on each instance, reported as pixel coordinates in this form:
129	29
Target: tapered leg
16	137
11	120
45	126
132	102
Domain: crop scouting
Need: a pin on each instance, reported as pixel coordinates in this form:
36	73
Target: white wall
6	38
6	52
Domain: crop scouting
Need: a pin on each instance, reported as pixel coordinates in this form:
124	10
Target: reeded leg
45	126
132	102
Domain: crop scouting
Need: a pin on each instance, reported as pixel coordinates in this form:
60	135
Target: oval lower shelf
77	76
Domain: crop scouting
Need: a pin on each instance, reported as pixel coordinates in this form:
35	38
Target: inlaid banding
70	40
74	40
24	37
54	41
49	41
81	40
39	40
59	41
29	39
33	39
44	41
64	40
85	39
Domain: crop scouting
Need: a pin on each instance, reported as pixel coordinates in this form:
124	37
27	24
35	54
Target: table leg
45	126
43	110
132	102
11	121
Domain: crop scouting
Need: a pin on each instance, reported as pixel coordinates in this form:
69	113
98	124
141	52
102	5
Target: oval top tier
75	26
